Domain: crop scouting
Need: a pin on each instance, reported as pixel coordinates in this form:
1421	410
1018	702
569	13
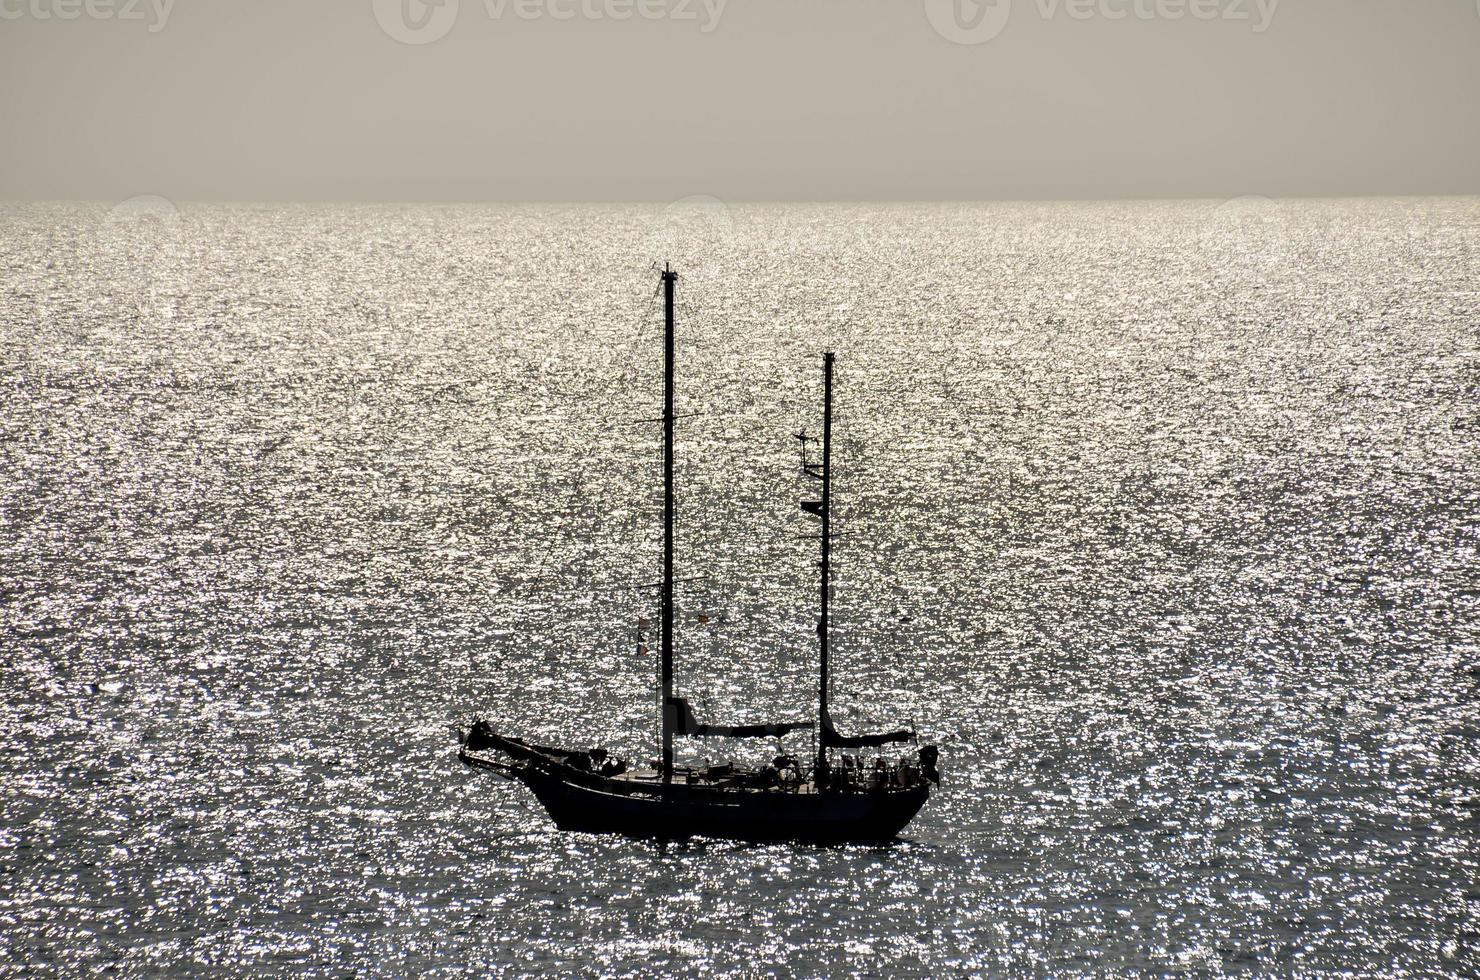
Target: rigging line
570	490
637	344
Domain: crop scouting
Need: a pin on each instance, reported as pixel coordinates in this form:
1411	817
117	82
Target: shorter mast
666	612
826	513
827	736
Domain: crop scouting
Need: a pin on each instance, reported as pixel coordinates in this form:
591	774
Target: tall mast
666	616
822	721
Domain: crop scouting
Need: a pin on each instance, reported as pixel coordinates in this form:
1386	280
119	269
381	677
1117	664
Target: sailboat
842	798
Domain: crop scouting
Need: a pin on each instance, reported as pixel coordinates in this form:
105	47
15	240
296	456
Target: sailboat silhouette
830	800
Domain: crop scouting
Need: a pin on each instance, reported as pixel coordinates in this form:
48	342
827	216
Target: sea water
1161	519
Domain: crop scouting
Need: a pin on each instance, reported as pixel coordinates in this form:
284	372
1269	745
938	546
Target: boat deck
695	777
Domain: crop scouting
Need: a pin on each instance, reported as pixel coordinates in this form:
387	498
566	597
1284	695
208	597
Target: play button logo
415	21
969	21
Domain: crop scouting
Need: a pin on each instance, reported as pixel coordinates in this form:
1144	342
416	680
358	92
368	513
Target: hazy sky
745	99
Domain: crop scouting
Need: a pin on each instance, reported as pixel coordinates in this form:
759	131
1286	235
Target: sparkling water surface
1161	518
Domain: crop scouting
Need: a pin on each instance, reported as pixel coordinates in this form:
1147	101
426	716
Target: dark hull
678	811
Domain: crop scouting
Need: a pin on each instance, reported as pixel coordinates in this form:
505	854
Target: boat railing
853	773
